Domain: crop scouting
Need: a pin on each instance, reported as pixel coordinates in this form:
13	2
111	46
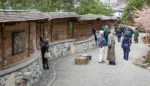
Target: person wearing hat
136	35
102	46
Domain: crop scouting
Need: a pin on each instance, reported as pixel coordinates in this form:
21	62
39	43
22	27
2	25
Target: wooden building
59	26
86	23
18	36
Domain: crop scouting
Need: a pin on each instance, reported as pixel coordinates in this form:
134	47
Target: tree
42	5
92	6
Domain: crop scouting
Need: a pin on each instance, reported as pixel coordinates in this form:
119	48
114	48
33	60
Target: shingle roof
13	16
95	17
57	15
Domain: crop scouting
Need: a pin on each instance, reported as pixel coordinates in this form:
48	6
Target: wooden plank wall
82	30
18	27
60	29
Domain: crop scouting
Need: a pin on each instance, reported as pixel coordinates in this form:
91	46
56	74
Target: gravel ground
125	73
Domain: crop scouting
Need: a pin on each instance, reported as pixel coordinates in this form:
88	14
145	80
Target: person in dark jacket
119	34
44	49
126	43
106	33
95	36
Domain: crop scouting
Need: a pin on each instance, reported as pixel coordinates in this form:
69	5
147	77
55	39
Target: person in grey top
102	46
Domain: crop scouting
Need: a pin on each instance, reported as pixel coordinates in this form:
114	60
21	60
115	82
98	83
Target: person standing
119	34
44	49
95	36
111	50
106	33
102	48
126	43
136	35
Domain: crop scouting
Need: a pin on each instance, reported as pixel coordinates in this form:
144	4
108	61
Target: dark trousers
45	61
126	55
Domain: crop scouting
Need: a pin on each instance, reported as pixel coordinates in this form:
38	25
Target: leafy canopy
93	6
85	6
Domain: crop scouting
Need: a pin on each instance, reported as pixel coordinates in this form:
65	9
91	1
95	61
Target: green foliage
92	6
42	5
85	6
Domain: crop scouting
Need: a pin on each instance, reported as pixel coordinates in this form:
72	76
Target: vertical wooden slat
3	43
51	30
29	40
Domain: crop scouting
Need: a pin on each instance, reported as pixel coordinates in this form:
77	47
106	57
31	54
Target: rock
72	49
27	75
18	80
11	80
148	68
6	77
55	51
2	81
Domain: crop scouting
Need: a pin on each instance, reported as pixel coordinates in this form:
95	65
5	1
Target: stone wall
33	66
71	46
29	67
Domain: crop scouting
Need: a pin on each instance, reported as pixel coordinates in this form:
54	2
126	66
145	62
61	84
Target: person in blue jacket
126	43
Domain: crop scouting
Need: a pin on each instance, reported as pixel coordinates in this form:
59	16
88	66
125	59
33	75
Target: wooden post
3	44
51	30
29	40
68	30
73	30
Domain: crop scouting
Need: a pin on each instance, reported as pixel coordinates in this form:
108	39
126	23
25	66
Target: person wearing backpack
106	33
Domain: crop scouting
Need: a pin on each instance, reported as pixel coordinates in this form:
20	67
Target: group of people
106	42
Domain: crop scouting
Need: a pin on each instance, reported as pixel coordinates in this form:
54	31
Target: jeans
106	39
119	38
126	55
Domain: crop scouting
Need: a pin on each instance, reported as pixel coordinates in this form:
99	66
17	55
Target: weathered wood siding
30	31
82	30
60	29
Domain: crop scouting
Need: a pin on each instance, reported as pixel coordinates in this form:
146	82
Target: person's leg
100	54
46	63
127	55
104	53
124	54
119	38
106	39
43	60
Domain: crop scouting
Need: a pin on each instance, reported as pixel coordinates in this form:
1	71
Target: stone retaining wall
33	64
